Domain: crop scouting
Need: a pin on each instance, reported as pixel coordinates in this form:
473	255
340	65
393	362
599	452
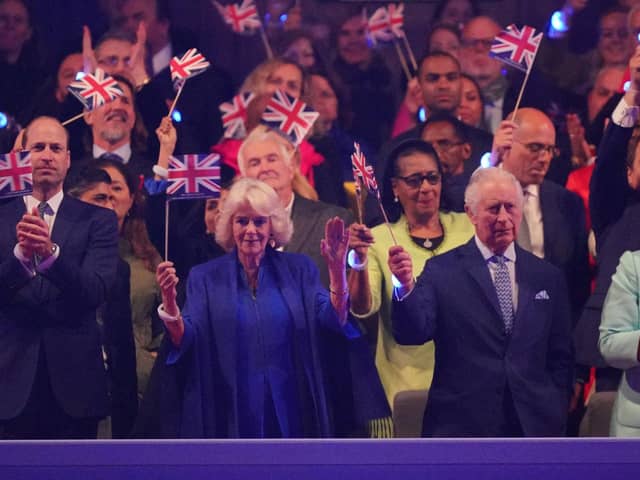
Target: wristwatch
54	248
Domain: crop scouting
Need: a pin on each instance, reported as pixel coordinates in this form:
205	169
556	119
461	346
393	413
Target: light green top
403	367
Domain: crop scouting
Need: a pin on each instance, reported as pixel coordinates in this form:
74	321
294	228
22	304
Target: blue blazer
455	305
208	352
55	312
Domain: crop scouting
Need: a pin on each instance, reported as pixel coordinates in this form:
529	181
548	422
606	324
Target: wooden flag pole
359	202
524	83
175	100
265	41
166	229
403	61
386	221
73	119
412	57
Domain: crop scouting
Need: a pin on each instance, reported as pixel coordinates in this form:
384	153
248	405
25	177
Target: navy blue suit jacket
55	312
455	304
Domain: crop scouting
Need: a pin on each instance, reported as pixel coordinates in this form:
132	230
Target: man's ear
88	118
466	151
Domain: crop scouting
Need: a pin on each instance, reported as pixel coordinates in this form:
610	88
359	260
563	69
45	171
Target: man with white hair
504	358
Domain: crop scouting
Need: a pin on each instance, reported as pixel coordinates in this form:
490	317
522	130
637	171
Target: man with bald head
553	225
58	260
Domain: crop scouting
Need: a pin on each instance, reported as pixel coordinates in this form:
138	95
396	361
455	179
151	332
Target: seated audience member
58	260
265	79
471	108
413	181
20	61
576	73
138	251
50	99
299	47
93	185
370	83
266	155
620	343
246	313
200	125
444	38
114	134
448	136
454	12
493	347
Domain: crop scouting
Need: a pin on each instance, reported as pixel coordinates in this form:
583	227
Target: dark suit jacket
475	360
55	313
139	163
121	353
309	219
565	240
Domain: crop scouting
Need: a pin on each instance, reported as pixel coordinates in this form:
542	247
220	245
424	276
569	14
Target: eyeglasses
477	43
445	144
536	148
415	180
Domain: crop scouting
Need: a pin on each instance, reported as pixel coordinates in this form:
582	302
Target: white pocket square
542	295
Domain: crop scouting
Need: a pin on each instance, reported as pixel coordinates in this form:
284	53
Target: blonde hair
261	198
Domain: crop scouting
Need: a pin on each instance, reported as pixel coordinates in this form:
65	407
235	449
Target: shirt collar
509	253
161	59
289	207
123	152
532	190
53	202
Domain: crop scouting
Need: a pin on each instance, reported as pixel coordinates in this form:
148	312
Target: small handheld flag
379	27
234	115
516	47
16	174
189	65
242	18
291	116
95	90
193	176
363	173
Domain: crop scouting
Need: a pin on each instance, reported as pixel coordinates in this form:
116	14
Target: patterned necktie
502	283
43	207
111	157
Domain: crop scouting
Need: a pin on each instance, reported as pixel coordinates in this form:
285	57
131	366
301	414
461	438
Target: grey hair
262	134
261	198
485	175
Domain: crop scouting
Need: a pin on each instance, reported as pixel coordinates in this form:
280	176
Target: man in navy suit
500	320
58	258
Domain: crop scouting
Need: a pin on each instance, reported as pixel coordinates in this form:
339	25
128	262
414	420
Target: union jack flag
16	174
95	90
516	47
362	173
289	115
191	64
396	19
234	115
194	176
378	26
242	18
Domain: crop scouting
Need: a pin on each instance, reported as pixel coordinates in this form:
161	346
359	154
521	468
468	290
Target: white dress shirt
625	115
533	214
161	59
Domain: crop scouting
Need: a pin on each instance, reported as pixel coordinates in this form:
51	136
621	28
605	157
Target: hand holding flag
193	176
192	63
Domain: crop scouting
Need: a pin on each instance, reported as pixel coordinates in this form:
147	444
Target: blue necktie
502	282
43	207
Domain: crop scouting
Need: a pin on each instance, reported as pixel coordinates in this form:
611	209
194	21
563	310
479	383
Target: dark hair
436	54
402	150
80	182
116	34
129	177
437	14
441	26
284	40
461	130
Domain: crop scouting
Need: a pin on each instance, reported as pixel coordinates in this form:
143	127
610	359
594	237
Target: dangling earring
395	199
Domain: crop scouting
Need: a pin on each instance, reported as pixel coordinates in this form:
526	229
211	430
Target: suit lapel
525	287
551	221
477	268
300	219
64	222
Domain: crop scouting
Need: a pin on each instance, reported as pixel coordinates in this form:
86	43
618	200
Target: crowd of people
494	276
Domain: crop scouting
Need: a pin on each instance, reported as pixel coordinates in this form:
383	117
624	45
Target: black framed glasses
536	148
415	180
